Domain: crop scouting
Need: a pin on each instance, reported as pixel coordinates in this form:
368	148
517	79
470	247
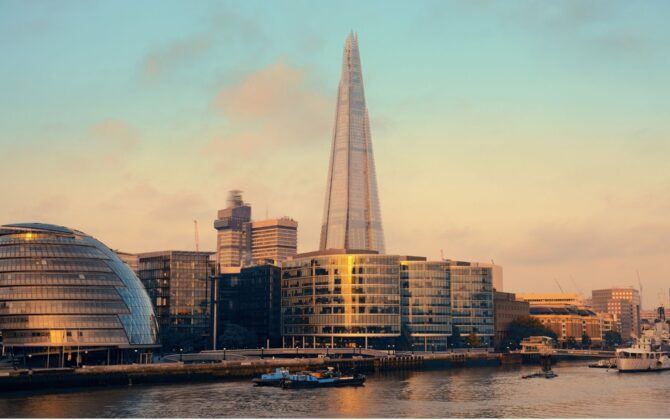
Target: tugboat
326	378
272	379
547	373
604	364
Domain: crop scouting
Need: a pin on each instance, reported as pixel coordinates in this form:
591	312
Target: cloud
272	107
164	58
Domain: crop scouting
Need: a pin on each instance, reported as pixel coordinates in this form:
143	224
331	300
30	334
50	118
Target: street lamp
181	354
262	352
224	353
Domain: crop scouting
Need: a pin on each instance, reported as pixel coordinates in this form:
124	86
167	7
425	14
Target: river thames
460	392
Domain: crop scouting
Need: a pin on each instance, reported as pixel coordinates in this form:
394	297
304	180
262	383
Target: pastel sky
532	133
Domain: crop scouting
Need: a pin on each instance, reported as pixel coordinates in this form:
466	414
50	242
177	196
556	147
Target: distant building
426	303
252	300
233	238
131	260
496	274
624	304
569	322
273	239
178	285
506	308
552	299
472	300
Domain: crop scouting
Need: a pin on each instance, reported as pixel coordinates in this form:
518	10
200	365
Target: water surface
464	392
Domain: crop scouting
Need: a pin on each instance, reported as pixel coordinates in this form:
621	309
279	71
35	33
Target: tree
456	341
586	341
473	340
523	327
237	337
612	339
570	342
181	340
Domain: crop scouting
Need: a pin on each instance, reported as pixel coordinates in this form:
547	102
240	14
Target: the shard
351	217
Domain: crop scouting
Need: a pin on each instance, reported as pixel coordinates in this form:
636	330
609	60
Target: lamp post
181	354
224	353
262	348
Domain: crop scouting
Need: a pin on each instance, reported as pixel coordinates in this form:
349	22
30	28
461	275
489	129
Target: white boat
651	352
641	358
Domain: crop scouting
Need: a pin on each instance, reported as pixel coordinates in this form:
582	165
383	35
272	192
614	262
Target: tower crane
559	285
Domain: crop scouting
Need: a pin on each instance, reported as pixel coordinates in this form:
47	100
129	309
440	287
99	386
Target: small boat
547	375
327	378
272	379
604	364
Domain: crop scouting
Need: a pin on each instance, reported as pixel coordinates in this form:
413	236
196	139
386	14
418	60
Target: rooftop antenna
197	236
639	282
441	255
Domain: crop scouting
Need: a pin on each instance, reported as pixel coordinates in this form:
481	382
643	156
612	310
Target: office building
62	292
351	218
273	239
552	299
251	299
131	260
624	304
341	298
233	237
506	308
426	303
570	323
178	284
472	300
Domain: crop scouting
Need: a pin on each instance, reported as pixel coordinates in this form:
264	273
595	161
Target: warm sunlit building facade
341	298
64	289
569	322
233	233
506	308
624	304
273	239
552	299
472	300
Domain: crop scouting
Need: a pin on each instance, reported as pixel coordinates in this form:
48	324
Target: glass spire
351	218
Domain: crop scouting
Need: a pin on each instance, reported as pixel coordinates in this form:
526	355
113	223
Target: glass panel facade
59	285
426	304
352	219
472	301
332	298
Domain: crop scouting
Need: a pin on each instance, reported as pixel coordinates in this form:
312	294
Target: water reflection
472	392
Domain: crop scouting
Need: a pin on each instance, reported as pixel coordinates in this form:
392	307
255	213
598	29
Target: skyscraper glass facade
352	218
426	304
472	300
340	298
178	285
61	287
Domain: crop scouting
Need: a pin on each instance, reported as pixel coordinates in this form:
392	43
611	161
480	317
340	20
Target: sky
533	134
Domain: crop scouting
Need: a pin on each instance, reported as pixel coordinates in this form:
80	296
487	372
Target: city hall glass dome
62	287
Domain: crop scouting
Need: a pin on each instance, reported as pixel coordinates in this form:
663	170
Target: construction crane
579	290
558	284
197	236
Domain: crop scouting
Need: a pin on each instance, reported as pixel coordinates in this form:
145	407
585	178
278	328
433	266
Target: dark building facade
506	309
472	300
64	293
251	299
178	285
